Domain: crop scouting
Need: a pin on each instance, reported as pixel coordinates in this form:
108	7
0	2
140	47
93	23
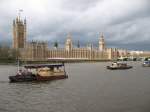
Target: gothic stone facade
19	33
86	53
35	51
39	51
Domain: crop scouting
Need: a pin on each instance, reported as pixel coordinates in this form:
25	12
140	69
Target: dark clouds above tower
124	22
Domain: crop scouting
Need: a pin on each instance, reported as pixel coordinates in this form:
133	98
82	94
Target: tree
4	52
56	44
8	55
78	45
14	54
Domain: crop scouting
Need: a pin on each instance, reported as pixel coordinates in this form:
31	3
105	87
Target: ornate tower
19	33
101	43
68	45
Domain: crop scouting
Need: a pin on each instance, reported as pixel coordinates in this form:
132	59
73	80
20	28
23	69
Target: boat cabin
117	64
46	69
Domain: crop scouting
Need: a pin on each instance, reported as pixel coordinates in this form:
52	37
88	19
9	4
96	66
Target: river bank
48	62
12	62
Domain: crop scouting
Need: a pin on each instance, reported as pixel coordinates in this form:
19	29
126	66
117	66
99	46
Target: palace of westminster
39	51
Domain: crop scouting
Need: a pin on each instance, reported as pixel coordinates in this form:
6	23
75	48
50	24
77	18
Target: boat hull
119	68
36	78
145	65
49	78
22	78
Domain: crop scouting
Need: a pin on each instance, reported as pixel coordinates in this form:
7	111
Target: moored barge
40	72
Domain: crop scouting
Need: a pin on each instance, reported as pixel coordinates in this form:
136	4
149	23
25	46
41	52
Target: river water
89	88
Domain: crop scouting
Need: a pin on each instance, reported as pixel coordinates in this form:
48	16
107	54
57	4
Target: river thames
89	88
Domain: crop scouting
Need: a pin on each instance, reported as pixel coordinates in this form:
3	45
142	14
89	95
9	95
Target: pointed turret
68	44
101	43
19	33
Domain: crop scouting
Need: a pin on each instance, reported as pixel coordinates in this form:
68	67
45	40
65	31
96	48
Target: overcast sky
125	23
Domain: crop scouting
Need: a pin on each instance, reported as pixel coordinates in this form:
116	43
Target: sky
124	23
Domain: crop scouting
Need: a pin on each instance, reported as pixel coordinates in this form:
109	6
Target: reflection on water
89	88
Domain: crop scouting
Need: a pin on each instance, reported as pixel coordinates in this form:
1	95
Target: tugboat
118	66
42	72
146	64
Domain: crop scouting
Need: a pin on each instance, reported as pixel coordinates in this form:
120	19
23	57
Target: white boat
146	64
118	65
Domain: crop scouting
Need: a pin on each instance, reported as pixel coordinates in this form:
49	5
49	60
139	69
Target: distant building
82	53
39	51
19	33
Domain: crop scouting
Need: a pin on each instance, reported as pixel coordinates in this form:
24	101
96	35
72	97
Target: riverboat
146	64
40	72
118	66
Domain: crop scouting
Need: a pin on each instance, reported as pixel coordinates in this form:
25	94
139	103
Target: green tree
56	44
8	55
78	45
4	52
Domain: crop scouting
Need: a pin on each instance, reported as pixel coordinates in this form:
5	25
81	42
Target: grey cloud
79	5
124	22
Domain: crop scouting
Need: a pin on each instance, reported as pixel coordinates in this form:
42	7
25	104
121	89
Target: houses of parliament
39	51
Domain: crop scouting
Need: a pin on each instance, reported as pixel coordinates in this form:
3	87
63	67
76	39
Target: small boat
118	66
146	64
42	72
